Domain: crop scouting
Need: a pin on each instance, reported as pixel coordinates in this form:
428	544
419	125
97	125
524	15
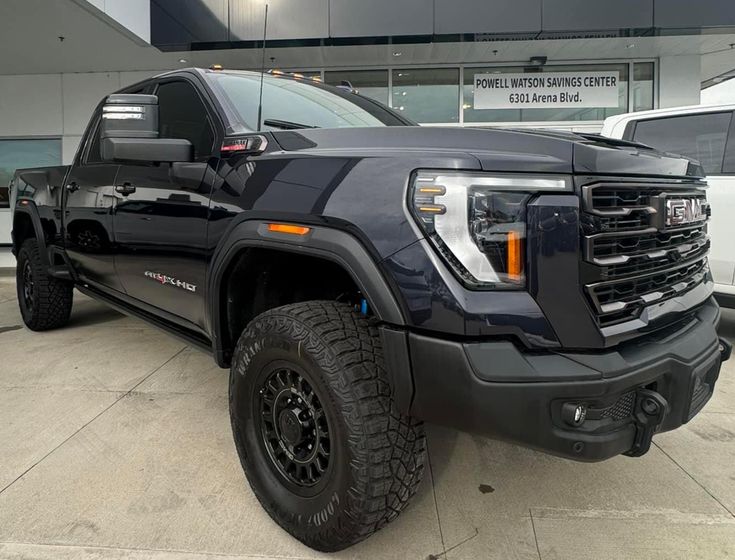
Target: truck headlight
477	222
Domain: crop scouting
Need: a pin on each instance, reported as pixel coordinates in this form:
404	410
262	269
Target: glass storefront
427	95
433	95
474	115
642	89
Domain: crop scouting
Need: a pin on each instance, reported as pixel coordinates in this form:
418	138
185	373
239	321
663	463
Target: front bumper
653	384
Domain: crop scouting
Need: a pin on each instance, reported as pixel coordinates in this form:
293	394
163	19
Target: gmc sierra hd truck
360	275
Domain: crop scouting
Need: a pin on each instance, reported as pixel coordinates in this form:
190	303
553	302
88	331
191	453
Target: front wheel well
262	279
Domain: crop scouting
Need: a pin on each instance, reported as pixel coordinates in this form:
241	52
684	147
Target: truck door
161	212
87	218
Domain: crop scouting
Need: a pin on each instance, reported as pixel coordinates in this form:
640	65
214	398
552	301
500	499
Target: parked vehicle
359	275
705	134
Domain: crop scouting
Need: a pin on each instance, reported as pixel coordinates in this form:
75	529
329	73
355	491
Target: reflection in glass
370	83
298	101
23	154
427	95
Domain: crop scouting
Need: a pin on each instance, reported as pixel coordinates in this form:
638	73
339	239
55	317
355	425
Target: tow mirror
130	116
129	132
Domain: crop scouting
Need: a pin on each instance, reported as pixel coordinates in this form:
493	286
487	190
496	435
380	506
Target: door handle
125	189
72	187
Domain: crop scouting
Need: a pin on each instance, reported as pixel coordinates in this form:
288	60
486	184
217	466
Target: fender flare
30	209
322	241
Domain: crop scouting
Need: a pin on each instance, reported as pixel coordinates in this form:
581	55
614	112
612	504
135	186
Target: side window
701	137
182	114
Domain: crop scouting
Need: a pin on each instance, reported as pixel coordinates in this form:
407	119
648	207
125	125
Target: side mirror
129	132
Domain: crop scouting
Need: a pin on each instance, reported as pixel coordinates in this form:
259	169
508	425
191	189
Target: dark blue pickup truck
360	275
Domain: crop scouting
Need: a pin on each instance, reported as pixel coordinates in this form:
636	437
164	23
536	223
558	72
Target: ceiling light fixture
397	53
538	60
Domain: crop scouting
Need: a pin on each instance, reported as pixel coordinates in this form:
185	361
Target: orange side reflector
515	262
287	228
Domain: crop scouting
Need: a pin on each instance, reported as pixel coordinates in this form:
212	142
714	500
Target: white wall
679	80
719	94
135	15
56	105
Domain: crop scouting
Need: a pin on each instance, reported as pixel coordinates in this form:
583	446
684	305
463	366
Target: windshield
289	103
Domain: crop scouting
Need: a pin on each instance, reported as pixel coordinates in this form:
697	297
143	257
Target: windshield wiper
286	125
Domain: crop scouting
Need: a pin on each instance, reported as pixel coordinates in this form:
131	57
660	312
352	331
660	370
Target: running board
190	337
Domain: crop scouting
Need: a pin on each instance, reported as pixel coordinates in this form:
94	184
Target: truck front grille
637	250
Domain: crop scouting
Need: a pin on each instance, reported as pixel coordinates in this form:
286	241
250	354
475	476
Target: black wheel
318	434
45	302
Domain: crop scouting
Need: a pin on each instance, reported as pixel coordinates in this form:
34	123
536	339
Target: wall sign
546	90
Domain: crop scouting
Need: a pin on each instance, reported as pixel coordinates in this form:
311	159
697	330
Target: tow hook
725	350
650	409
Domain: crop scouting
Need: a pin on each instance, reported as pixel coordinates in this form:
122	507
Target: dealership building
565	64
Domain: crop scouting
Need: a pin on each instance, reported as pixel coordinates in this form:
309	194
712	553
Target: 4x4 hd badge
163	279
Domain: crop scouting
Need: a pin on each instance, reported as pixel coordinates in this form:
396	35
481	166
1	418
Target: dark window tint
183	115
699	137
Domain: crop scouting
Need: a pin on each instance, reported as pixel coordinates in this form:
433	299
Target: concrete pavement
115	444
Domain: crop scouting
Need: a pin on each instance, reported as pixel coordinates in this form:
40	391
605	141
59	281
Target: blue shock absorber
364	307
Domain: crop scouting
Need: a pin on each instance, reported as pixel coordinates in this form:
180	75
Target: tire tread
390	448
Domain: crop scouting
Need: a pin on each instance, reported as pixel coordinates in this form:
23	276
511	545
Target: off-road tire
51	298
378	454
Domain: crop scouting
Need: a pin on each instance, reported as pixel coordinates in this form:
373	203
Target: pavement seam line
535	537
463	541
436	504
164	550
121	397
702	486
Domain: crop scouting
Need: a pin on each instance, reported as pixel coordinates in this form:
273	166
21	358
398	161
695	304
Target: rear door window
701	137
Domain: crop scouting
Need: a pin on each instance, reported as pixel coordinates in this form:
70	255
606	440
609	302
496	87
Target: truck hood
510	150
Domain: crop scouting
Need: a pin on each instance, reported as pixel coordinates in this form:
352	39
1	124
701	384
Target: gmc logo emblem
681	211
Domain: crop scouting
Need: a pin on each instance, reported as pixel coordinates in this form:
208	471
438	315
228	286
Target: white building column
679	81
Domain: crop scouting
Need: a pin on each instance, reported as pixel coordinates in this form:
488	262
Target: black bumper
651	385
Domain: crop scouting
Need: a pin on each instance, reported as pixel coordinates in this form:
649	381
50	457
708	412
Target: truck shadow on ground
86	313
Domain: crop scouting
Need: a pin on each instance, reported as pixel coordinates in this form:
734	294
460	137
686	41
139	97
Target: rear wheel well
261	279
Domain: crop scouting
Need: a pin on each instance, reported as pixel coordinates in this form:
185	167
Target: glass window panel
642	86
183	115
301	102
22	154
699	137
552	114
427	95
370	83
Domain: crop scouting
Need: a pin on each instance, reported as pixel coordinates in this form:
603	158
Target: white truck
705	134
